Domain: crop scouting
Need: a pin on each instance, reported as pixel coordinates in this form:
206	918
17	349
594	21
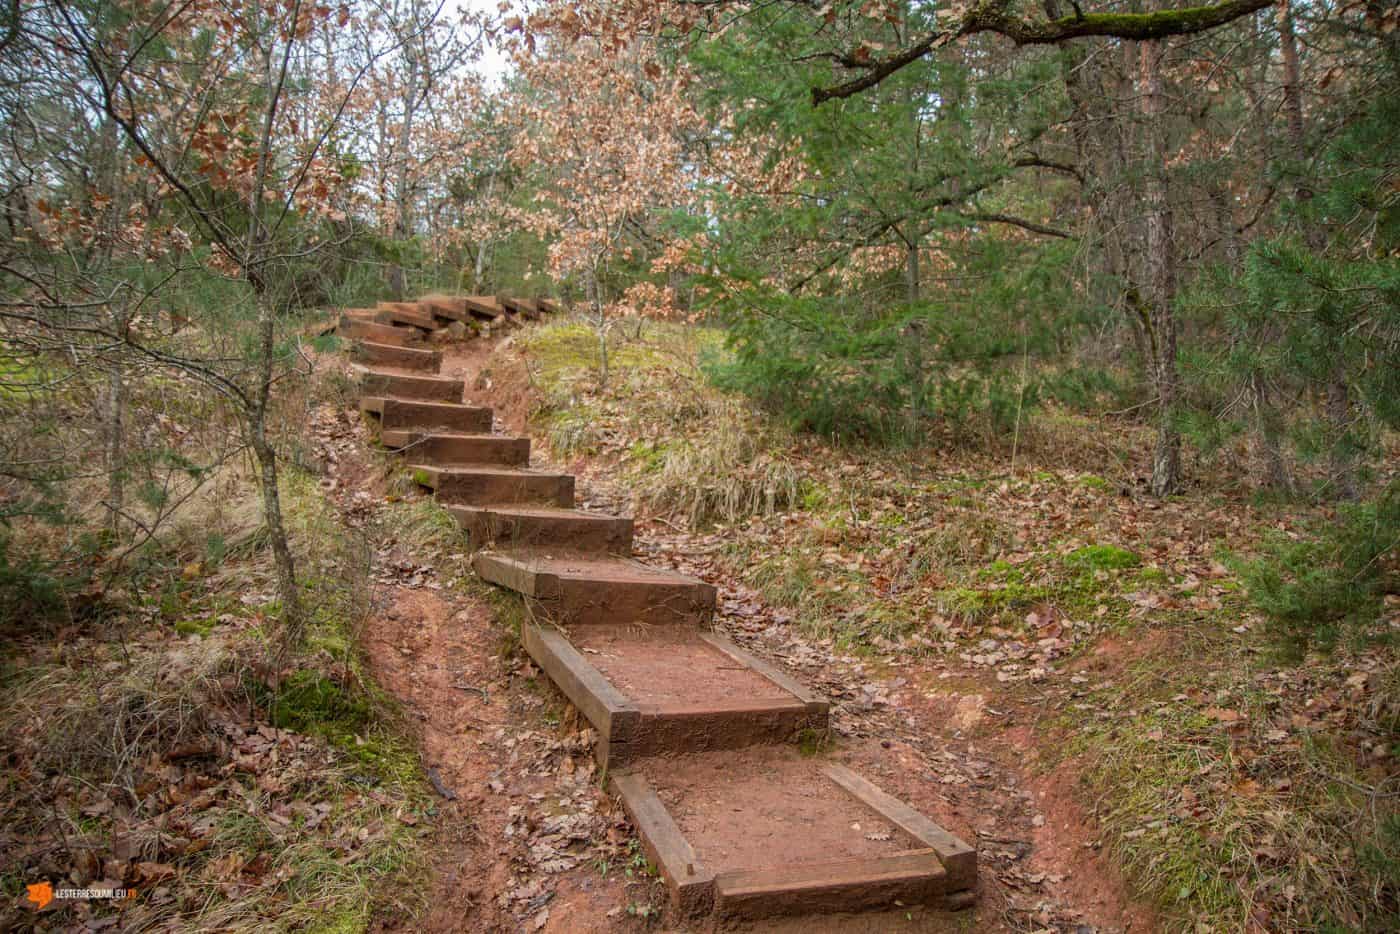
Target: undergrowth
692	451
172	745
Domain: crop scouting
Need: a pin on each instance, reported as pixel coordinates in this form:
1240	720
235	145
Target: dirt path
525	840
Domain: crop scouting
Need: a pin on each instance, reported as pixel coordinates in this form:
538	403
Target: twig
438	786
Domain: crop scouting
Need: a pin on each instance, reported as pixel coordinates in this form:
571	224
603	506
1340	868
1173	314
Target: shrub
1331	585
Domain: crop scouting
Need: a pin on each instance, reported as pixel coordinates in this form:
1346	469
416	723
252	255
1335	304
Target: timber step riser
420	388
368	316
606	535
584	603
659	734
582	599
480	488
410	314
379	333
446	451
409	358
420	417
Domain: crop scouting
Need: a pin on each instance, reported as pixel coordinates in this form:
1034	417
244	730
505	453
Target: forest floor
1022	645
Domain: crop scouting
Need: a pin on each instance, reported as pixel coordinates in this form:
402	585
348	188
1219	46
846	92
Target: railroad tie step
447	308
364	330
446	449
371	353
370	315
521	526
478	484
762	832
661	689
524	307
376	383
409	313
570	589
397	414
483	307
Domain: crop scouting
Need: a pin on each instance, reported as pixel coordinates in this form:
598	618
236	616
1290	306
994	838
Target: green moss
195	627
648	456
308	702
1153	576
968	601
420	477
1093	482
1103	557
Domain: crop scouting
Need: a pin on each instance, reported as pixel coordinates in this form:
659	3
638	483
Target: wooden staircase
697	737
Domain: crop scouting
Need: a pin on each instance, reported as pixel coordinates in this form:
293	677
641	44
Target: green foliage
309	702
1311	309
970	359
30	587
1330	587
1103	557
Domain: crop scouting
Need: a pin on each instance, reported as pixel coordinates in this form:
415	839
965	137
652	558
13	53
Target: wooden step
409	358
396	414
545	527
372	315
524	307
549	306
444	449
662	689
379	333
477	484
484	307
758	832
447	308
403	385
582	589
409	313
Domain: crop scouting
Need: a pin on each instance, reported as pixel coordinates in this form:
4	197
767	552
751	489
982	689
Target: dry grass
726	476
696	454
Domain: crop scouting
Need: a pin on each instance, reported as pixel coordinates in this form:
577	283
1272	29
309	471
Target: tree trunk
594	291
255	414
403	203
114	448
485	245
914	340
1342	461
287	592
1161	276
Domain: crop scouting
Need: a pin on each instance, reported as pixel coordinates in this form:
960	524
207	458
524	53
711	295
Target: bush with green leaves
971	359
1329	588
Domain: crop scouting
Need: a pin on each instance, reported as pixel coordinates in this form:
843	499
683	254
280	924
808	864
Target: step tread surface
572	567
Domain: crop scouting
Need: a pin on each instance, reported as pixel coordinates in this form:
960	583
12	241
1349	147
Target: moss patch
1103	558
